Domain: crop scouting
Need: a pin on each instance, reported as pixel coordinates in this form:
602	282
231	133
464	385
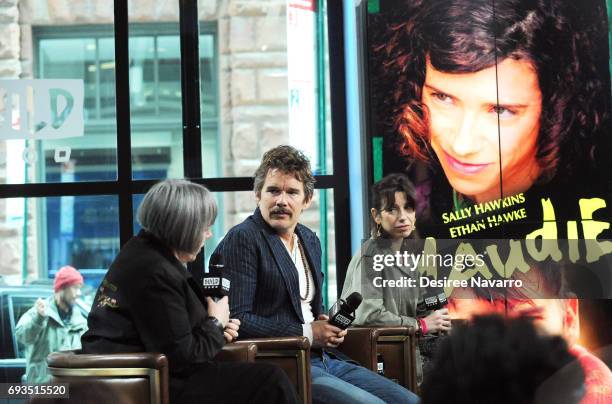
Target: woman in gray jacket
385	272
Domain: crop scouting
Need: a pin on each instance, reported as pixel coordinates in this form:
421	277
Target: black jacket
148	302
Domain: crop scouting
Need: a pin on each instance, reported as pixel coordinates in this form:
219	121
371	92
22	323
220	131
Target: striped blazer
264	293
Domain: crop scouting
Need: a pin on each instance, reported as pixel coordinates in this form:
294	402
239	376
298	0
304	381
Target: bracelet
422	326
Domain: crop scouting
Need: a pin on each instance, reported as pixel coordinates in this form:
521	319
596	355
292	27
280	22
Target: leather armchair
360	345
237	353
124	378
397	345
292	354
119	378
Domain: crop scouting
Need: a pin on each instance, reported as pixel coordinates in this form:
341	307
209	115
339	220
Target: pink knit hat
66	276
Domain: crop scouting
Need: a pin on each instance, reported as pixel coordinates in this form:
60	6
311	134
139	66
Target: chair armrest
74	359
292	355
238	352
277	343
360	345
383	331
397	345
89	374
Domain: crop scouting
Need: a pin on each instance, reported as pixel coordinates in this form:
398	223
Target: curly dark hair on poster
466	36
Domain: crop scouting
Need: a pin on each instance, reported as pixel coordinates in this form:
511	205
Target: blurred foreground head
494	359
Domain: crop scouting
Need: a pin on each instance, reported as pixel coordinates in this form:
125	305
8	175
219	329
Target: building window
254	92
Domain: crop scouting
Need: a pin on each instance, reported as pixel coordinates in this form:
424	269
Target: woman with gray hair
149	302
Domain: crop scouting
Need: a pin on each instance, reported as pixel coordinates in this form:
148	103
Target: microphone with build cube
214	283
342	313
434	298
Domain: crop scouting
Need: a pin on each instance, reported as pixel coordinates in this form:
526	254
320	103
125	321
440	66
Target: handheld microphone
342	313
434	298
214	283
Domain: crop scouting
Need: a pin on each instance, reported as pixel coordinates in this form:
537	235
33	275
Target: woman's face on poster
484	124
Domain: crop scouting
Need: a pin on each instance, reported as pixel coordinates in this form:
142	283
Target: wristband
423	326
216	322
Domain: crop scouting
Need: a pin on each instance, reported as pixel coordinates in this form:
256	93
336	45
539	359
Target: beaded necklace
306	270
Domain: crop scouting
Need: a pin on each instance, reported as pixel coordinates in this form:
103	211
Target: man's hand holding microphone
328	331
325	334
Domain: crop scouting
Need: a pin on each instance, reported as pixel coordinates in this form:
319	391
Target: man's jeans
336	381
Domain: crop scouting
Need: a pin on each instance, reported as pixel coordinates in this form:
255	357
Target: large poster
499	113
494	107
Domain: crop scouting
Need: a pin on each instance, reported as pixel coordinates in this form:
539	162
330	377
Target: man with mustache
274	265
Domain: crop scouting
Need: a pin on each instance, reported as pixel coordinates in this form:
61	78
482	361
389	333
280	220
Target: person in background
501	360
53	324
393	230
149	302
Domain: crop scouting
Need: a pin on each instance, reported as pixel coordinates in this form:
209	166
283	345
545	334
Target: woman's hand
231	330
219	310
439	320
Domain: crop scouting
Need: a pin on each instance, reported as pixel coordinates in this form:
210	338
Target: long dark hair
466	36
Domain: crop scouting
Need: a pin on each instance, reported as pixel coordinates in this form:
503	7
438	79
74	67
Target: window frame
124	187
